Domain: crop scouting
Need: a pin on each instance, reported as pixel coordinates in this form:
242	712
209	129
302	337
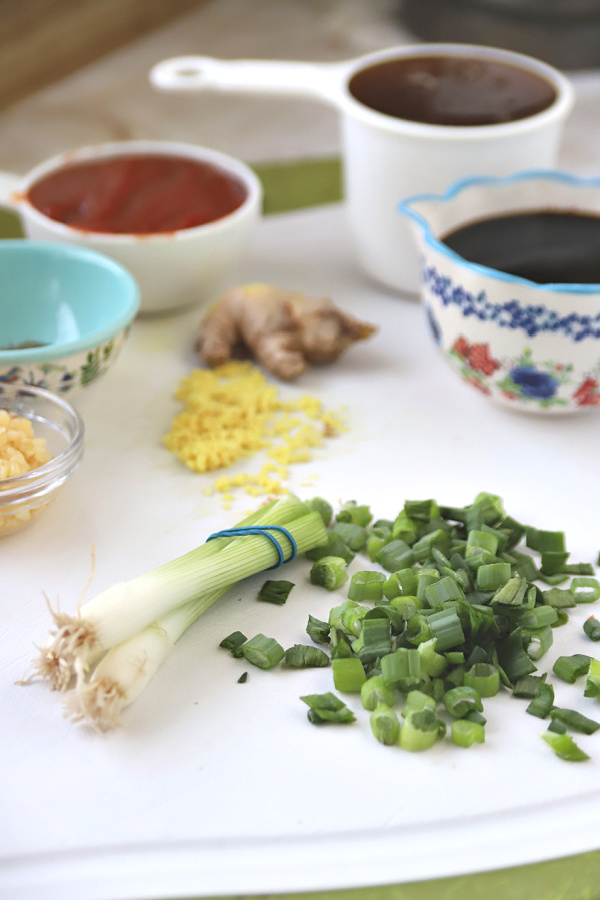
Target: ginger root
286	331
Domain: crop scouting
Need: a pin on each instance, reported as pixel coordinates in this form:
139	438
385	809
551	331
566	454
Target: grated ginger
231	412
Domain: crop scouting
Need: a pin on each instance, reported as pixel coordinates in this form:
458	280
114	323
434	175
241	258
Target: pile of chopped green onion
459	605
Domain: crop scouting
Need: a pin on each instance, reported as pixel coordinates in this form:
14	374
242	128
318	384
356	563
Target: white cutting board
216	788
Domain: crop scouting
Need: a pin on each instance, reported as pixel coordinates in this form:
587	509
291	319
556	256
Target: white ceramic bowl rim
47	477
228	164
92	338
464	184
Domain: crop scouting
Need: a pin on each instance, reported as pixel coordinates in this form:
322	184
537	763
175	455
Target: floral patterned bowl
65	313
532	347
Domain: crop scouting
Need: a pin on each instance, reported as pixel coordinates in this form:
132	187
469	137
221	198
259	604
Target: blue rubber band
263	530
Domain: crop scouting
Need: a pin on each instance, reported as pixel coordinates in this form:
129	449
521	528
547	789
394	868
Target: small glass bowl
24	497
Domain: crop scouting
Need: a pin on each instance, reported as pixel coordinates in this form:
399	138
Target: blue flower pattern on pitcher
533	319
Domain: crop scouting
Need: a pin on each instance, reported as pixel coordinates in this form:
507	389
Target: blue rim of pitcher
462	184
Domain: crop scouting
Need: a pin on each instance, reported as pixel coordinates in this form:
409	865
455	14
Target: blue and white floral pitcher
532	347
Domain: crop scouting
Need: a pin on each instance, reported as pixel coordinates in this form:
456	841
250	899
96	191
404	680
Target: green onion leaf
301	656
542	704
484	678
348	674
564	746
575	720
328	708
374	690
233	640
570	668
465	733
585	590
318	631
329	572
385	724
591	627
263	652
275	592
461	700
366	586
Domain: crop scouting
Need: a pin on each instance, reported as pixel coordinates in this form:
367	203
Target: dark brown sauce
447	90
546	247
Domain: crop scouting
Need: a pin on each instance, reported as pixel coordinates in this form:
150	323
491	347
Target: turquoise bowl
65	313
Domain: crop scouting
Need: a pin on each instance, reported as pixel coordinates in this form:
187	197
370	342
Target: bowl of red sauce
179	217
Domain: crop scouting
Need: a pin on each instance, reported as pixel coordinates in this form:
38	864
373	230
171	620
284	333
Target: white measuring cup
386	159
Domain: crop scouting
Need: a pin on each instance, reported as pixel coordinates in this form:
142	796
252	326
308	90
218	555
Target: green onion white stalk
199	577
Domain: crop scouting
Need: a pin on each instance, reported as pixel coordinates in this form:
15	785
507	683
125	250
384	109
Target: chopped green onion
355	536
275	592
493	576
328	708
420	730
585	589
374	690
544	541
564	746
233	640
512	657
402	582
592	685
570	668
321	506
329	572
557	727
529	686
484	678
385	724
466	733
446	627
553	562
366	586
542	704
461	700
395	555
243	678
263	652
417	701
575	720
352	512
377	639
591	627
432	663
512	593
378	538
348	674
301	656
333	546
402	668
539	641
442	590
559	598
481	540
318	631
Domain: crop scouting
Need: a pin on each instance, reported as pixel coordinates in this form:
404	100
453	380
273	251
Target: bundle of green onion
106	653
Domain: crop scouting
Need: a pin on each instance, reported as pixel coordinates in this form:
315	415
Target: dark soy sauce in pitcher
545	247
452	90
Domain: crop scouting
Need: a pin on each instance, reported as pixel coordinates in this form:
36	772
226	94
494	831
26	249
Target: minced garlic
232	412
20	452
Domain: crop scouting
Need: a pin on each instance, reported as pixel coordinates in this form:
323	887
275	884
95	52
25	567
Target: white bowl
175	269
531	347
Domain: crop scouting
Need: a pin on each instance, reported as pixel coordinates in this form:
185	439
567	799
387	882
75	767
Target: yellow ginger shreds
232	412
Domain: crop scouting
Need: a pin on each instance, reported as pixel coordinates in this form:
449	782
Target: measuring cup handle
192	73
10	186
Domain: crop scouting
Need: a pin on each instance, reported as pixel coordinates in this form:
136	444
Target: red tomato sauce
137	194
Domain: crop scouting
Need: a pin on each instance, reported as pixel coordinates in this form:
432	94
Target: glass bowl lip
92	339
38	481
462	184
